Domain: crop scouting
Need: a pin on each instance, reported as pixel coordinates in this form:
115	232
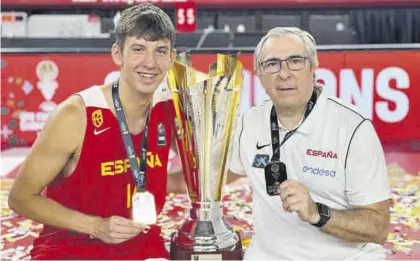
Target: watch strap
323	217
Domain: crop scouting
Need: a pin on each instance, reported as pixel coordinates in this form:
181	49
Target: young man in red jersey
85	156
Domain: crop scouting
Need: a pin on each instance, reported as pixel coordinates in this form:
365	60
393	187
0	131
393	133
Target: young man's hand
115	229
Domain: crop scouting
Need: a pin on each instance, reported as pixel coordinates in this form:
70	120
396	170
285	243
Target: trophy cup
205	108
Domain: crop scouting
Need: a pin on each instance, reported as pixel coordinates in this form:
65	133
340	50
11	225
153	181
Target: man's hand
296	198
115	229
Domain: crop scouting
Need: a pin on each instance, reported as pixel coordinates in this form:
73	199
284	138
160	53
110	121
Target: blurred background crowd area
218	24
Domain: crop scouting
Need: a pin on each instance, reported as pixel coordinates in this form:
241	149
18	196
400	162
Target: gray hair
307	39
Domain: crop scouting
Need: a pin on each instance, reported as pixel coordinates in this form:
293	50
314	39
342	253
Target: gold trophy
205	108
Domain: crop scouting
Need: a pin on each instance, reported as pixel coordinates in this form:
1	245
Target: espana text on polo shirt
319	153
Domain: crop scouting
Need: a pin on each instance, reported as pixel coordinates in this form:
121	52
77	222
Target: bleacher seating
107	25
247	39
187	39
273	20
14	24
331	29
323	22
217	39
237	23
223	29
63	25
205	21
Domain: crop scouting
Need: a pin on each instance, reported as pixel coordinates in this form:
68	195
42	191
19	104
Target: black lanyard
139	172
275	137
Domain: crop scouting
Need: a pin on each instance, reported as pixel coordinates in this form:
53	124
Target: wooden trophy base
177	253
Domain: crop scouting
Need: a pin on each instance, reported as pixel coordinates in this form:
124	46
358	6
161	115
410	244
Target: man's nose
149	61
284	72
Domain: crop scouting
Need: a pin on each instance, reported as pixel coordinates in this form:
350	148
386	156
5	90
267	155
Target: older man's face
291	86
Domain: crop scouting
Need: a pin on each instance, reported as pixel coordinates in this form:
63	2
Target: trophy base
176	253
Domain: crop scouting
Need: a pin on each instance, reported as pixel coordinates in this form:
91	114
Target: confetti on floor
405	213
403	243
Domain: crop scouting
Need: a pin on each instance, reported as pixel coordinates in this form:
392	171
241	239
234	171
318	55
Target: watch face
325	210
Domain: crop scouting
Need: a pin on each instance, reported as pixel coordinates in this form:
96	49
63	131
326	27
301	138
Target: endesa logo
319	171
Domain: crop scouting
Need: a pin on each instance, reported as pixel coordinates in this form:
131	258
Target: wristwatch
325	214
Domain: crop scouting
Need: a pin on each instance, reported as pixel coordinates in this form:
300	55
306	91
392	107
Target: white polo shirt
336	154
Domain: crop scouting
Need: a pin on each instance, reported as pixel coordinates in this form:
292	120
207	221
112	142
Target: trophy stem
207	141
206	230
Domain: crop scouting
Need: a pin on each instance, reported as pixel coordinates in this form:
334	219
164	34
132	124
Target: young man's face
144	63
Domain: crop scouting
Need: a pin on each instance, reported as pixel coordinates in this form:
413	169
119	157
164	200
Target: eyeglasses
294	63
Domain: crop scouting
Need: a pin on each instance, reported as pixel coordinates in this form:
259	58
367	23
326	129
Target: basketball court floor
403	159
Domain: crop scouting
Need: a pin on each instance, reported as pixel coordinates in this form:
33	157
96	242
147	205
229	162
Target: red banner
186	14
221	3
383	84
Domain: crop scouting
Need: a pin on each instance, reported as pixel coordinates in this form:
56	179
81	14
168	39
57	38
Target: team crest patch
97	118
161	134
260	161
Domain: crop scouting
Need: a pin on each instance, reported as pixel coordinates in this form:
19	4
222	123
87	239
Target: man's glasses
294	63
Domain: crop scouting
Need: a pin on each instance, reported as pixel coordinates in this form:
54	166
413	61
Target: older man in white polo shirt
314	162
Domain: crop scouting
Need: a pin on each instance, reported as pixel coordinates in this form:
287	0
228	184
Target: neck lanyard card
144	209
275	171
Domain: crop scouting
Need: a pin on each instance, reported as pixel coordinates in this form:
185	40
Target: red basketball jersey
102	185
